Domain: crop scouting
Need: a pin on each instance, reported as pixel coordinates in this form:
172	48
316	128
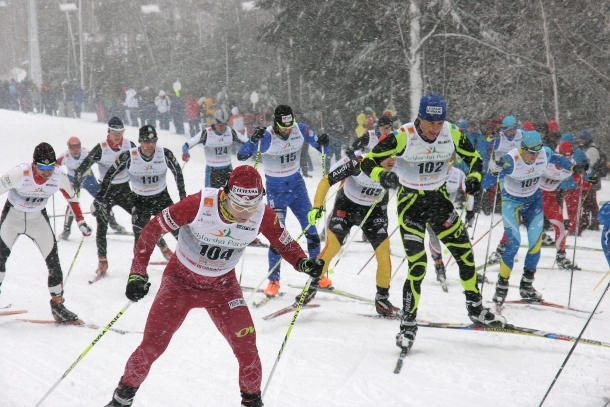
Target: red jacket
192	110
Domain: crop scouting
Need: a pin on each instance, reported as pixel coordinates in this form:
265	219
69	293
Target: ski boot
408	331
102	268
251	400
382	303
326	282
481	279
439	267
60	313
480	315
123	395
527	291
272	288
563	262
469	219
497	255
311	292
547	241
501	291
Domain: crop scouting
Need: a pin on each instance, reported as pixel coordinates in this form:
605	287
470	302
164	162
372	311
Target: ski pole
603	278
183	165
74	260
575	239
476	220
493	212
82	355
574	346
257	159
294	318
274	267
344	250
373	255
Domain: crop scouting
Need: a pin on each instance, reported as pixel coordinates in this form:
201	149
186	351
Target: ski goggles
45	167
240	208
532	149
282	127
243	205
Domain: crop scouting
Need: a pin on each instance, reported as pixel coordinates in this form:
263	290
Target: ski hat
73	141
283	116
567	137
161	93
147	133
432	108
369	110
531	140
384	121
585	135
463	125
221	117
234	110
553	126
44	154
245	186
566	148
115	124
510	123
529	126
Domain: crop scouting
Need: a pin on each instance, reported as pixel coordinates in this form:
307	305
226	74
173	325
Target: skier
370	138
216	141
522	169
423	150
146	167
215	227
356	202
119	193
29	187
280	147
71	159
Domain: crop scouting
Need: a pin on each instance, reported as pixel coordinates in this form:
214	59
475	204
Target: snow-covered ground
334	357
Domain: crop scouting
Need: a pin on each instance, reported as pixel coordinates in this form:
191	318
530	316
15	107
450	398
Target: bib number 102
429	167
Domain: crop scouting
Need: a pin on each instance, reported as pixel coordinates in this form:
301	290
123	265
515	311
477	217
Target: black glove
593	179
389	180
323	140
581	167
311	267
472	186
258	135
137	287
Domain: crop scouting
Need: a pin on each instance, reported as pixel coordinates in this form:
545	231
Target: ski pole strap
294	319
121	312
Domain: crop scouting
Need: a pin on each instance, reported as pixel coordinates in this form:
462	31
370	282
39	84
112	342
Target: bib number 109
430	167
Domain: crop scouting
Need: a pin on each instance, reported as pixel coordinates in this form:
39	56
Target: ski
78	323
21	311
258	290
6	306
576	269
571	247
266	300
396	316
548	304
511	329
444	285
288	310
401	358
335	291
126	233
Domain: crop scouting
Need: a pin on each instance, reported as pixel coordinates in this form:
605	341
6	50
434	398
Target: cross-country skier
71	159
522	169
119	193
29	187
217	141
146	167
280	148
215	226
423	150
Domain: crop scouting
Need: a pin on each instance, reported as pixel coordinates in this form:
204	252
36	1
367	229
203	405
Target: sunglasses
45	167
240	208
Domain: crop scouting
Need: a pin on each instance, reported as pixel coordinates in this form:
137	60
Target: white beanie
234	110
161	93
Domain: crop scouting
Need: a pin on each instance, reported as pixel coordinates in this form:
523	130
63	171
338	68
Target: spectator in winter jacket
163	105
79	100
371	118
131	107
148	110
236	121
590	208
336	131
192	115
178	112
361	128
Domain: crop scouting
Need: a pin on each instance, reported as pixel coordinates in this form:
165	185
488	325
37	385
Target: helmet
529	126
566	148
221	117
115	124
44	154
509	123
433	108
531	140
147	133
384	121
283	116
245	186
73	141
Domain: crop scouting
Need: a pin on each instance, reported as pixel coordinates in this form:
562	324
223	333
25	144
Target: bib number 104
215	252
430	167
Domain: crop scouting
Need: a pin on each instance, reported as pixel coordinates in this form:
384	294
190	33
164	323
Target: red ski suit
182	290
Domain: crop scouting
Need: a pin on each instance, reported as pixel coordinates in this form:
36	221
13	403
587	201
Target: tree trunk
415	74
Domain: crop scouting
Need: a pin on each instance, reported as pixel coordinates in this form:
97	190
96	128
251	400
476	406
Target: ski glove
593	179
580	167
137	287
84	228
186	157
389	180
311	267
258	135
323	140
472	186
185	152
314	214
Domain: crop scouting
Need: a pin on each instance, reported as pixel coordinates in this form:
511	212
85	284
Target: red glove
186	156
